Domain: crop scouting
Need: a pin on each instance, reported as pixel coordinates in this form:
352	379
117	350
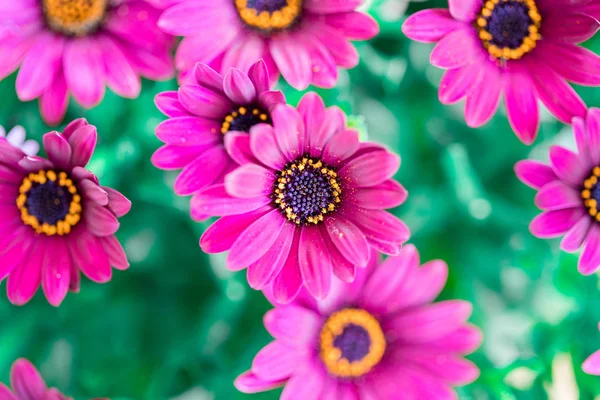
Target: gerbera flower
204	116
77	47
308	199
55	219
379	338
16	137
592	364
569	193
305	40
524	49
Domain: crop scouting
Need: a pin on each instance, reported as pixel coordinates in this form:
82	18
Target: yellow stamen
74	17
270	21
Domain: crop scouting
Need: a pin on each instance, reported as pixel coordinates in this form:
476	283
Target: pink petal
289	129
568	166
40	66
448	368
208	78
93	192
556	196
589	262
354	25
388	194
593	128
189	131
56	271
267	268
202	172
54	101
465	10
215	201
576	236
89	256
340	147
550	224
534	173
168	104
455	50
24	280
204	102
100	220
275	362
310	379
458	83
483	100
592	364
250	383
259	75
577	65
292	325
315	263
463	340
116	253
237	145
249	181
371	169
121	78
431	25
562	25
26	381
238	87
348	239
58	149
288	283
292	59
6	394
263	144
83	143
84	73
331	6
117	202
521	103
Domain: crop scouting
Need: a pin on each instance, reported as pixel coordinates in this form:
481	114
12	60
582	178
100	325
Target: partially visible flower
16	137
55	219
305	40
206	115
382	337
27	384
76	47
569	193
307	202
524	50
592	364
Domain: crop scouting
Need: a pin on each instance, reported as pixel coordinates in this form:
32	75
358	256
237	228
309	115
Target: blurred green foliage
179	325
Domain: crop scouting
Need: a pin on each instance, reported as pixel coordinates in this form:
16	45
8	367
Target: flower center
591	193
49	202
352	343
74	17
269	15
244	118
509	29
307	190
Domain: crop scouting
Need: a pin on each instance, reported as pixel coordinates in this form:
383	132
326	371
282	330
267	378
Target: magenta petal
309	380
26	381
589	262
465	10
40	66
116	253
83	143
550	224
84	72
189	131
256	240
484	98
354	25
58	149
455	50
388	194
89	255
448	368
421	287
340	147
275	362
216	201
458	83
348	239
202	172
593	127
221	235
315	263
534	173
371	169
521	103
568	26
24	280
293	325
121	77
204	102
237	145
93	192
331	6
6	394
264	146
250	180
592	364
463	340
577	65
100	220
576	236
292	59
431	25
250	383
268	100
259	75
288	283
267	268
73	126
117	202
56	271
568	166
556	196
343	269
289	129
238	87
168	103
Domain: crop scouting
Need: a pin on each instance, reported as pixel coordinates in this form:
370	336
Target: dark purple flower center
243	118
269	16
509	29
306	190
49	202
74	17
354	343
509	24
590	193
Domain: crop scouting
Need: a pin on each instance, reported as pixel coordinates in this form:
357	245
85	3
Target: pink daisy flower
55	219
378	338
569	193
78	46
523	49
205	115
28	384
592	364
305	40
307	200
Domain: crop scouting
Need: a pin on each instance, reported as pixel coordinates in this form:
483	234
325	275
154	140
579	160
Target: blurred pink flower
378	338
569	193
77	47
55	219
16	137
308	201
524	49
204	116
592	364
305	40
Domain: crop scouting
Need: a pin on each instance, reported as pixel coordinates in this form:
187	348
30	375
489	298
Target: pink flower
55	218
569	194
16	137
592	364
307	200
524	49
77	47
203	116
378	338
305	40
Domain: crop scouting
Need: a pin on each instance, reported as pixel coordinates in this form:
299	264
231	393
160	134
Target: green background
177	324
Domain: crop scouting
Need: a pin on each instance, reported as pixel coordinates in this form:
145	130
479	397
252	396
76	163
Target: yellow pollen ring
332	356
284	177
506	53
74	17
586	193
62	227
230	118
270	21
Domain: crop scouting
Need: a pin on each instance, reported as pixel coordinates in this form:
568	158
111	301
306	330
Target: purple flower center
49	202
590	193
354	342
74	17
509	24
306	191
243	118
509	29
269	16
